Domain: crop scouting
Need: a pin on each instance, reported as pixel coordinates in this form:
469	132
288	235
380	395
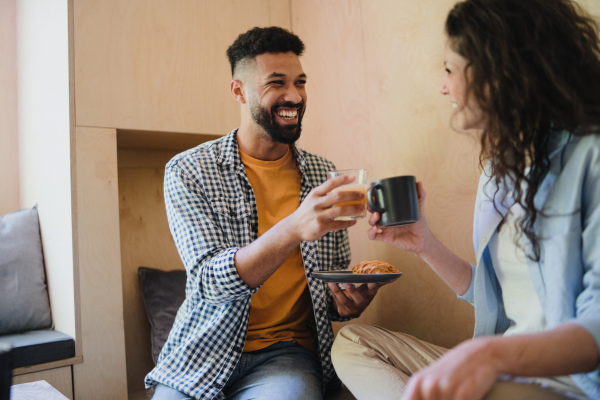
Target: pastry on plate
374	267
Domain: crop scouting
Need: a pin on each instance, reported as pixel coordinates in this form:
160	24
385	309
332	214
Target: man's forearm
257	261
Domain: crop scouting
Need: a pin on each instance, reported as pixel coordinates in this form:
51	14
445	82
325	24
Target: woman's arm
418	239
469	370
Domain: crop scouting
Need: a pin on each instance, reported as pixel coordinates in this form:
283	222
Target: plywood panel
374	70
336	123
161	65
102	375
9	163
591	6
59	378
145	241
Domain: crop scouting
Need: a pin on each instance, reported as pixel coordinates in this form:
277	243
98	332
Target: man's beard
287	134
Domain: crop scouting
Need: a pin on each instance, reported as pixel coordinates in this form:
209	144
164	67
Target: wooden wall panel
410	120
102	375
145	241
9	162
161	65
374	71
591	6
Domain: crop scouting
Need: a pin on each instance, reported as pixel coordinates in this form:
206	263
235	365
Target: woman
527	74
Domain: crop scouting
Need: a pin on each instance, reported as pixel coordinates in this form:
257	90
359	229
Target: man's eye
276	83
301	83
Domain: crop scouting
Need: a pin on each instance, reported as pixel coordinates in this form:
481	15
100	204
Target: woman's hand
419	239
471	369
412	237
466	372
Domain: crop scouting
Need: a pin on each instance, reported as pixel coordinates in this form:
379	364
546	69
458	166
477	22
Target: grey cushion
163	292
24	303
39	347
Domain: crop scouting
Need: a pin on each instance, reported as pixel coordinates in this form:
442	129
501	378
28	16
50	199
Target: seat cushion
162	292
38	347
24	302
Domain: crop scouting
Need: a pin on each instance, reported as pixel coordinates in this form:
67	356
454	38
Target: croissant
374	267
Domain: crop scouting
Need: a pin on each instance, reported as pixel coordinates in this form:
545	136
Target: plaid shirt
212	213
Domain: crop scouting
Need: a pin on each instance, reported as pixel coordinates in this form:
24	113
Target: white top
521	303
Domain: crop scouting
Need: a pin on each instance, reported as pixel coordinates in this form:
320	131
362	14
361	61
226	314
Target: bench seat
39	347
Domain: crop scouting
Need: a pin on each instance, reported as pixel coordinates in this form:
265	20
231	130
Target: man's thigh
164	392
289	371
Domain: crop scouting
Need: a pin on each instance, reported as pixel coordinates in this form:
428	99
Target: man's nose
292	94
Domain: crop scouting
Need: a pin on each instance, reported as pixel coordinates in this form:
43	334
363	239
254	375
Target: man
252	217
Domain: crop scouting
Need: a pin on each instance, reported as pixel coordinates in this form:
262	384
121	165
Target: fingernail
379	230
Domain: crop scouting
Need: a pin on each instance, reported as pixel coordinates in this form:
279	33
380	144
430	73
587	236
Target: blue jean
284	370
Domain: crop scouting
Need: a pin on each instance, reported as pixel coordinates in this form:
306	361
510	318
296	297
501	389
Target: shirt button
483	240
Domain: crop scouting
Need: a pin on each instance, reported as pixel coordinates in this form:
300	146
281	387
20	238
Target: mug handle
372	198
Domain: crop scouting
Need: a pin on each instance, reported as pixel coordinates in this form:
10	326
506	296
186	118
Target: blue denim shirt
567	276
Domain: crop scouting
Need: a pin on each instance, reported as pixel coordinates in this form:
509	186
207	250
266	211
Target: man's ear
238	91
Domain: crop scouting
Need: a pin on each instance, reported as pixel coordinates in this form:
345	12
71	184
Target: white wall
44	141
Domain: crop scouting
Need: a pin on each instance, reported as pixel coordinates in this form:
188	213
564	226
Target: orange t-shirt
281	309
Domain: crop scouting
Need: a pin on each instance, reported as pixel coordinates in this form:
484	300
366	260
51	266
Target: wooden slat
9	162
46	366
145	241
103	343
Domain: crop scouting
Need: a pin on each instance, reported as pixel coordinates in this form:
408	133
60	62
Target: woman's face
467	113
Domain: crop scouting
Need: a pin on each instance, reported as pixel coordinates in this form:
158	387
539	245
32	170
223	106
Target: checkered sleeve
334	247
199	236
341	261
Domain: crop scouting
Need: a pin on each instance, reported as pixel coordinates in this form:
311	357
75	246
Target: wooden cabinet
160	65
151	79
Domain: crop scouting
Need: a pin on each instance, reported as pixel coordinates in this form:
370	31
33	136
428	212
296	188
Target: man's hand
314	217
352	301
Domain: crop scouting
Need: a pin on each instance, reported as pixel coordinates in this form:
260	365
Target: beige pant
375	363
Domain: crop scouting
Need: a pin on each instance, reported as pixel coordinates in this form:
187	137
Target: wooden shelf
154	140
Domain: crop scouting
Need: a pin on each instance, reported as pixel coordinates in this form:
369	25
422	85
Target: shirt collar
557	142
230	154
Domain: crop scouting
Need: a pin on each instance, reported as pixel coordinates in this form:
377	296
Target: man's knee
346	339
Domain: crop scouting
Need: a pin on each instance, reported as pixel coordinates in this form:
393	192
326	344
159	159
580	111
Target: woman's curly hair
534	67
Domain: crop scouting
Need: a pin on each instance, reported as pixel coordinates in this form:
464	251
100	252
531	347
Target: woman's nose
443	89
